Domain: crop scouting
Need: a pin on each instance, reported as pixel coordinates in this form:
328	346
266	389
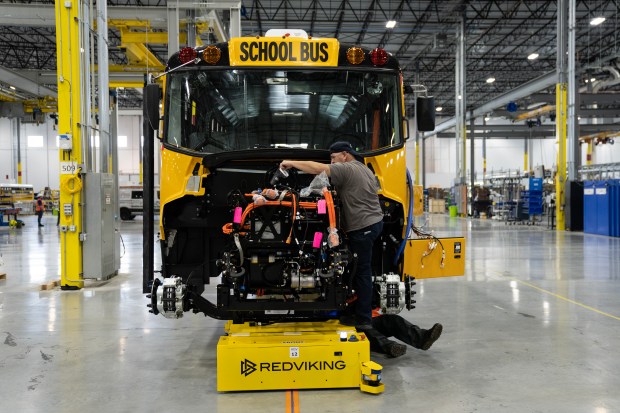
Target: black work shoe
433	335
395	349
363	326
41	225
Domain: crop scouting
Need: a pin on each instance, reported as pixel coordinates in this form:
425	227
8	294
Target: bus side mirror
425	113
151	96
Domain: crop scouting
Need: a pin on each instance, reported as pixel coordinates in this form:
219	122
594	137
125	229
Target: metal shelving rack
600	171
507	187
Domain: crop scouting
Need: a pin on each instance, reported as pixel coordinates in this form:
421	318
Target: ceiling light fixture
12	87
438	109
532	56
390	24
593	79
491	80
597	20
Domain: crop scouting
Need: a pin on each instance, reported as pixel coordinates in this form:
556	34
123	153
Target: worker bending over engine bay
357	187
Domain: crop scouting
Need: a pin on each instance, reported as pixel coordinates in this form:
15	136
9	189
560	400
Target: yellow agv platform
300	355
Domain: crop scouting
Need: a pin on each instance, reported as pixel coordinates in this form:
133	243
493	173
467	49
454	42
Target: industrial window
35	141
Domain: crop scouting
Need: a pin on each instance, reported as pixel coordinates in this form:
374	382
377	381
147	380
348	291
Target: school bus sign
279	51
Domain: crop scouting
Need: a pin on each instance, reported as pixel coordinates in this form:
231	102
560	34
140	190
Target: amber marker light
187	54
211	54
378	57
355	55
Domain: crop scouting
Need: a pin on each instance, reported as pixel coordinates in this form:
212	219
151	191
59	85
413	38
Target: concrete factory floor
534	326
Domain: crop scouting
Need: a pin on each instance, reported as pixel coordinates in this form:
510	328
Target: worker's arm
310	167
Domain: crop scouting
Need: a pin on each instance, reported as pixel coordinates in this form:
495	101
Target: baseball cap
343	146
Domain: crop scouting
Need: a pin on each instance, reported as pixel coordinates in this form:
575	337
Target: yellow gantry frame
535	113
560	128
69	119
135	34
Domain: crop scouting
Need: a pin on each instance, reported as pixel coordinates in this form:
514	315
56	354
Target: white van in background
130	201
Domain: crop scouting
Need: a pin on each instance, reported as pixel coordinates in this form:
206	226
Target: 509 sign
68	168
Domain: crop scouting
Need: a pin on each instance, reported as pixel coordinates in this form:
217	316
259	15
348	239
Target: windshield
213	111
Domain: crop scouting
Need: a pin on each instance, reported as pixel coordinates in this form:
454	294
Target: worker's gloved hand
271	193
258	199
316	186
332	237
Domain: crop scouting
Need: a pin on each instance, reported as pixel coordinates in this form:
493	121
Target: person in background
40	208
357	188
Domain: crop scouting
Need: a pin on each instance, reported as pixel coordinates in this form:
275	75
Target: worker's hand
286	164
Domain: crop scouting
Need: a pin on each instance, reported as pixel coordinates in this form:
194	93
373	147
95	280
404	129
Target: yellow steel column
18	127
525	157
589	152
68	51
560	128
417	162
140	157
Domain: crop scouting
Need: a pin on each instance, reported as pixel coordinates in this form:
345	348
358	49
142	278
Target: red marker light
379	57
187	54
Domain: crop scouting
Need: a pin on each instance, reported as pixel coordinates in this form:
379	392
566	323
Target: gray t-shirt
357	188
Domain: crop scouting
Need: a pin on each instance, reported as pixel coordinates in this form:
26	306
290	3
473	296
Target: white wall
7	163
129	157
501	155
602	153
40	166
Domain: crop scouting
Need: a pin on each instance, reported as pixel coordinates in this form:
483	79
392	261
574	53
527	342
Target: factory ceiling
500	35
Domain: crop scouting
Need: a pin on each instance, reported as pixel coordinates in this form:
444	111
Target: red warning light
187	54
379	57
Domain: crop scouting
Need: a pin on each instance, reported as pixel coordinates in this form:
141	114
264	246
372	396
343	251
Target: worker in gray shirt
357	188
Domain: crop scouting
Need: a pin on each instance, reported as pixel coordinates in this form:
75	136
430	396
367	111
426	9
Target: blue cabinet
602	198
614	207
589	208
535	197
601	207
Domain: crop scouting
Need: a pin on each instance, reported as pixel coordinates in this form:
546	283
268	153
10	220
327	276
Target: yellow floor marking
292	401
561	297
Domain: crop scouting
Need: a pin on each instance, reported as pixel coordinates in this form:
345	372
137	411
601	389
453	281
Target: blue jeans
361	242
